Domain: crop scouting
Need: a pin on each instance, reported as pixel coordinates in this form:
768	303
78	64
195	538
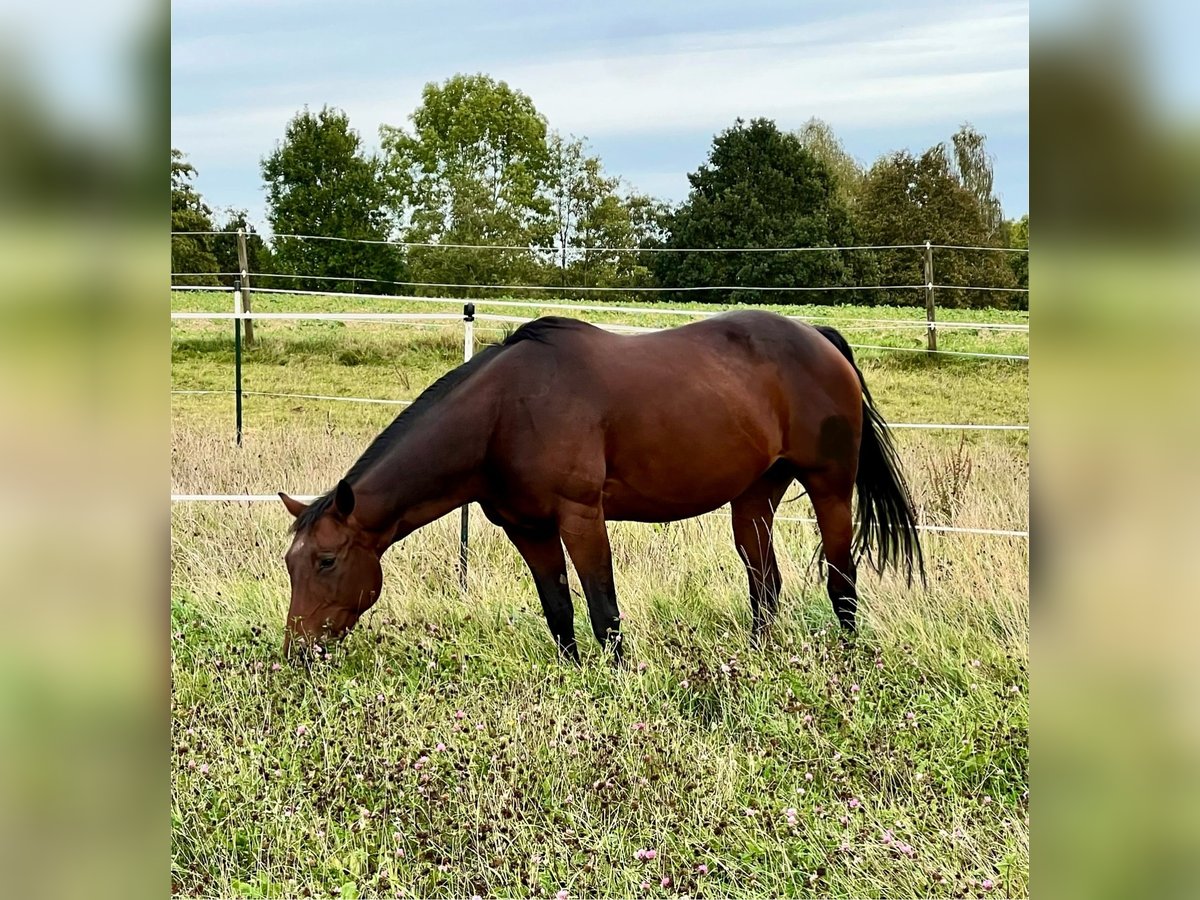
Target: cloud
970	66
967	61
890	71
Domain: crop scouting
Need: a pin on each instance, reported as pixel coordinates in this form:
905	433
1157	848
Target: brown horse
564	427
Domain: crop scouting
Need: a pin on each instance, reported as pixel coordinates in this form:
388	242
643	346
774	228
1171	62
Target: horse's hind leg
753	520
831	494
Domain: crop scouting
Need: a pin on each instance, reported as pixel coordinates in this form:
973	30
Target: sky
647	84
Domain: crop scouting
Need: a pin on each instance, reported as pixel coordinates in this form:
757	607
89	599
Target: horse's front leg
585	536
543	553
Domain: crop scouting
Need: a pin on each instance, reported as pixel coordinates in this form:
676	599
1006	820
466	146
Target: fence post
468	350
245	276
237	356
930	318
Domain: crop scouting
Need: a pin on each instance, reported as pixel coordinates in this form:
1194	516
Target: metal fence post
930	318
468	350
237	355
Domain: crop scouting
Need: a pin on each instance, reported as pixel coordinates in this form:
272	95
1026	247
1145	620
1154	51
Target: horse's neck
434	467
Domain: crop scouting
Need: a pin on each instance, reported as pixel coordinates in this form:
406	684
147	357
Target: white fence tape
957	427
297	396
1020	356
606	289
308	498
921	425
487	317
323	316
610	289
581	307
940	529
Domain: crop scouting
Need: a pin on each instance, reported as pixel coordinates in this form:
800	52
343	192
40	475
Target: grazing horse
564	427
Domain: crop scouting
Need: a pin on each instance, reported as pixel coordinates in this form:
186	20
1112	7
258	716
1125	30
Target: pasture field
442	751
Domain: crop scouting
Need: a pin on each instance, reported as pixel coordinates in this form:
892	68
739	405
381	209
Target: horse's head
334	568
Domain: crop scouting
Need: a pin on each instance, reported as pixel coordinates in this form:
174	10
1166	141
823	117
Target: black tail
887	527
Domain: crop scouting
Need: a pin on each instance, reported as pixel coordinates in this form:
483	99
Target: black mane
540	330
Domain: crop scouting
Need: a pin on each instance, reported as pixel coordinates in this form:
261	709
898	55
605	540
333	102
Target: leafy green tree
761	188
595	226
908	200
817	137
649	221
1016	235
473	170
973	167
320	182
605	229
565	177
189	213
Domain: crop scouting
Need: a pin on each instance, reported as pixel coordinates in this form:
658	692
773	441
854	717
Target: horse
563	427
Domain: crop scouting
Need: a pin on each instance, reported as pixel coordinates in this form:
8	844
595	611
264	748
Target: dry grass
977	583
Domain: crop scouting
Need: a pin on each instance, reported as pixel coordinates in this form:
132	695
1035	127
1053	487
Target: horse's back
668	424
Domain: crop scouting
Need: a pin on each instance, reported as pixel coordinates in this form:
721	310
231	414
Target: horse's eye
326	562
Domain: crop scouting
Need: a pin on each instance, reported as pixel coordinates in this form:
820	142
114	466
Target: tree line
479	165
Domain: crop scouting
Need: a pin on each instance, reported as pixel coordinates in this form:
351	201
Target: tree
472	171
817	138
649	220
908	200
762	188
648	229
189	213
1016	234
319	182
594	226
605	231
565	176
973	168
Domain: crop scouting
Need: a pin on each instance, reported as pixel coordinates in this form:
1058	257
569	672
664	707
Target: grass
329	780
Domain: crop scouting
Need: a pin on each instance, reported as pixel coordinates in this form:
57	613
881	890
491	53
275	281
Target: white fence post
237	357
930	316
244	266
468	350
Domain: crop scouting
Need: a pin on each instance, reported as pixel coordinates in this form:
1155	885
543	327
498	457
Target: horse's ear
295	507
343	498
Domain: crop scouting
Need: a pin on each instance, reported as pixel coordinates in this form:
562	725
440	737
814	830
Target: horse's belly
666	464
668	499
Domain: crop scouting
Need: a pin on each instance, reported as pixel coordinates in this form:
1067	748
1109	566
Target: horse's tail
887	527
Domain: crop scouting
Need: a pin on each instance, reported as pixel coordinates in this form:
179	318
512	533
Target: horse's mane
540	330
